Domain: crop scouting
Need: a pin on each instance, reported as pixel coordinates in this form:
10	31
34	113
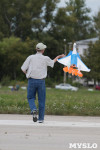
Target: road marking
48	123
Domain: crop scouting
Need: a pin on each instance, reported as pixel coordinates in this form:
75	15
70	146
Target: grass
58	102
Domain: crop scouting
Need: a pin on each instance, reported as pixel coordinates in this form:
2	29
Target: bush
50	82
77	84
5	81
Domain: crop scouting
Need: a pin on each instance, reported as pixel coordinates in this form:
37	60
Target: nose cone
74	45
74	49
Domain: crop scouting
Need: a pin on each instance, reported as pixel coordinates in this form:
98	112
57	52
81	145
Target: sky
94	5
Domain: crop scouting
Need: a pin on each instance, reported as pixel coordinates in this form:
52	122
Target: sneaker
35	116
41	121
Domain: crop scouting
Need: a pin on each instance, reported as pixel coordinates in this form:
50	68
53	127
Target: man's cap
40	46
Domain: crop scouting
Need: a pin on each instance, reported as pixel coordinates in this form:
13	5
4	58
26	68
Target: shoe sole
34	117
41	121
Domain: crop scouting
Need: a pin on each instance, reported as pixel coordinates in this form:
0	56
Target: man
35	68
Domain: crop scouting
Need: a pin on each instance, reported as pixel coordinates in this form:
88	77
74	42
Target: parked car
66	87
97	87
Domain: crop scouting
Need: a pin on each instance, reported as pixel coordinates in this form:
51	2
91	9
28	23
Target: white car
66	87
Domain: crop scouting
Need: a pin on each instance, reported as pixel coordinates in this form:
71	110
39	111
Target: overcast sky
93	4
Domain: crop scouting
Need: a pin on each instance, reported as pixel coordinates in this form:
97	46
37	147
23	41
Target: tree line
25	23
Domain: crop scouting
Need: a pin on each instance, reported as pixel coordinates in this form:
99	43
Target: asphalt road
18	132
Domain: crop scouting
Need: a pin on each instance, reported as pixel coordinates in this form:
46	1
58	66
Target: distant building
83	45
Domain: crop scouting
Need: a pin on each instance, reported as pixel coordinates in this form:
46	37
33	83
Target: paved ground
18	132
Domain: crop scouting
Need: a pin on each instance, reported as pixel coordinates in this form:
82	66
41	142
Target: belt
37	79
42	79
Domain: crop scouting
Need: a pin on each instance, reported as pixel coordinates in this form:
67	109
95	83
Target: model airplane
73	63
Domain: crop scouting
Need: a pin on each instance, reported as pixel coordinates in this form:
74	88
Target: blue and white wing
65	60
81	66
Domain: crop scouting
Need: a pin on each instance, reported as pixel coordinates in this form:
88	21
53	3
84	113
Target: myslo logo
83	145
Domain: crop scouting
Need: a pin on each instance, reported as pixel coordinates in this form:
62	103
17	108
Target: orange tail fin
73	71
80	74
65	69
70	70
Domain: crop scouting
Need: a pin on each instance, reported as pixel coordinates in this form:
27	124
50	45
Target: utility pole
65	55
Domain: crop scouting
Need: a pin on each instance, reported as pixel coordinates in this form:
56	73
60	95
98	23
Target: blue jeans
36	86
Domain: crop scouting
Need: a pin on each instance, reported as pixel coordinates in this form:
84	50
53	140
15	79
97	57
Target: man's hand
24	71
59	56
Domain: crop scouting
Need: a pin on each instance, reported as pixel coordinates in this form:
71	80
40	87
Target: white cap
40	46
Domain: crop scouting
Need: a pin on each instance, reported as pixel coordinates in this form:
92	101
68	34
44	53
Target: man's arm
25	65
59	56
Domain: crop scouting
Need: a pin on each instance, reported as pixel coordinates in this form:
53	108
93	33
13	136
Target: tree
97	23
4	23
23	18
92	60
82	22
72	23
13	53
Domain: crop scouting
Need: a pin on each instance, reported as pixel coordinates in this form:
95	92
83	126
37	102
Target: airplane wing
81	66
65	61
